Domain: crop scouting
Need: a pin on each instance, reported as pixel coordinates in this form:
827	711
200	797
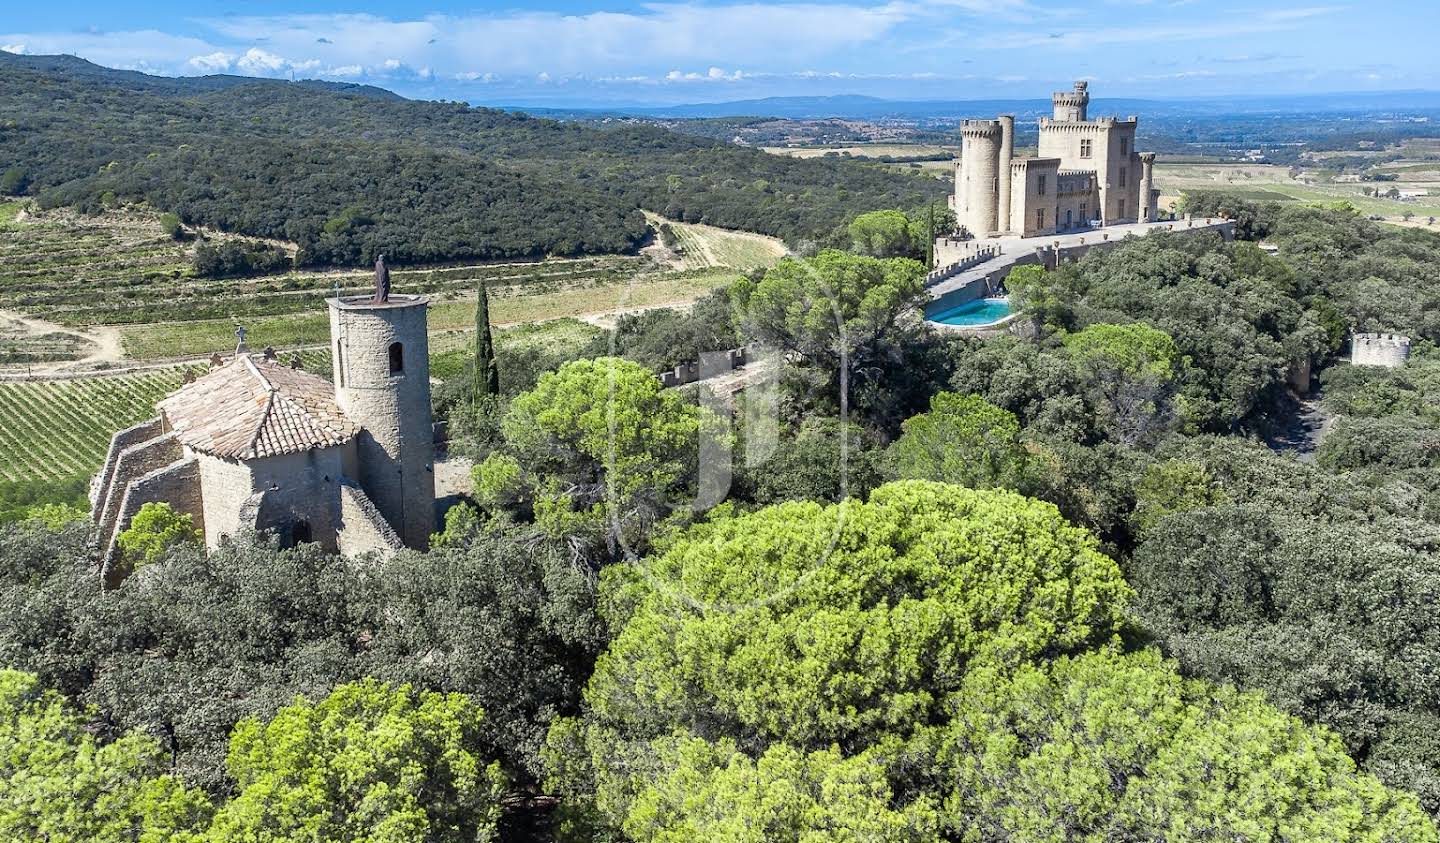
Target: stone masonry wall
100	486
177	484
134	462
1388	350
362	528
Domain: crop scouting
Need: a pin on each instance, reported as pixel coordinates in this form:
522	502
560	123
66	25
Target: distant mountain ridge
859	107
74	67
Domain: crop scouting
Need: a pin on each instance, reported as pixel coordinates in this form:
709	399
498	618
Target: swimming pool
975	313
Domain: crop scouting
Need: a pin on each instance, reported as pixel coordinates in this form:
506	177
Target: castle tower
1072	106
1007	154
980	159
382	382
1147	187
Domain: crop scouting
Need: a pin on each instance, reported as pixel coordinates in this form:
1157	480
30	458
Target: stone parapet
1388	350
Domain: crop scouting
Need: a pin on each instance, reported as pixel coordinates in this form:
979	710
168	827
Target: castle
1087	174
254	444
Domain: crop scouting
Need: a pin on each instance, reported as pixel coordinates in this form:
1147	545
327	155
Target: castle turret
382	383
1147	187
980	157
1007	154
1072	106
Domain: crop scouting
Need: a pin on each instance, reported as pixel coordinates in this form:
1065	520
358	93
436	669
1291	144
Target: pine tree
486	375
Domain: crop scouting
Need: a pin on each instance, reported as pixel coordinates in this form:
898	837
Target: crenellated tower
1072	106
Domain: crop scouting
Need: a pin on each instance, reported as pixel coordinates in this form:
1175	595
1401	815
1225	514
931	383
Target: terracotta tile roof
252	408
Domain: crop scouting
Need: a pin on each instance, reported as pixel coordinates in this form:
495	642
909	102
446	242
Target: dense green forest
1070	582
347	172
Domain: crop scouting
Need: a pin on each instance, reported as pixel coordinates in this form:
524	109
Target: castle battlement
980	128
1377	349
1077	125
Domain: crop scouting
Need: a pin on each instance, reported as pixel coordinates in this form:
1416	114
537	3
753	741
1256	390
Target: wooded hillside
348	171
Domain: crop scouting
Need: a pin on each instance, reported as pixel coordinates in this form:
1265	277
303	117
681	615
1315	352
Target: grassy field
707	247
120	269
118	272
165	340
1267	182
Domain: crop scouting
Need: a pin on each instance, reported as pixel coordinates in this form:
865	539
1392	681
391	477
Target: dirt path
1305	430
104	342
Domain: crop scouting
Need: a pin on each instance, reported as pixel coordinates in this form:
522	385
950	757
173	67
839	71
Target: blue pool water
974	313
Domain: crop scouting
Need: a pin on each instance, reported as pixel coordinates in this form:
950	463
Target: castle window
1122	208
1124	148
1124	175
1084	147
397	358
1039	217
1040	186
300	533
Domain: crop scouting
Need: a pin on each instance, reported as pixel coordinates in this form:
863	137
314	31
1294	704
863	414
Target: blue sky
576	52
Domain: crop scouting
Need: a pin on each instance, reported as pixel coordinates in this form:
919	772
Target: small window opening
300	533
397	358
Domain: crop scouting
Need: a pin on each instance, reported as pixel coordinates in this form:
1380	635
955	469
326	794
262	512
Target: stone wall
226	485
1388	350
1049	257
133	462
711	364
362	528
100	485
177	484
974	259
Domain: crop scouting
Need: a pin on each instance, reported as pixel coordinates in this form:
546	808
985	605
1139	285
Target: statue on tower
382	281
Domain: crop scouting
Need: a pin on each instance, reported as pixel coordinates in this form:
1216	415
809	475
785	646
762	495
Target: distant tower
1007	155
1072	106
1147	187
382	382
980	161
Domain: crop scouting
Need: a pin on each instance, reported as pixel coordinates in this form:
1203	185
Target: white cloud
714	74
17	49
658	34
261	62
216	62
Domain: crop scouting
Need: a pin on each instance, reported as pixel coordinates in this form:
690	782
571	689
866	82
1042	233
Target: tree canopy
369	764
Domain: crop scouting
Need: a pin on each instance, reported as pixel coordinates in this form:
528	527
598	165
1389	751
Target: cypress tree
487	374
